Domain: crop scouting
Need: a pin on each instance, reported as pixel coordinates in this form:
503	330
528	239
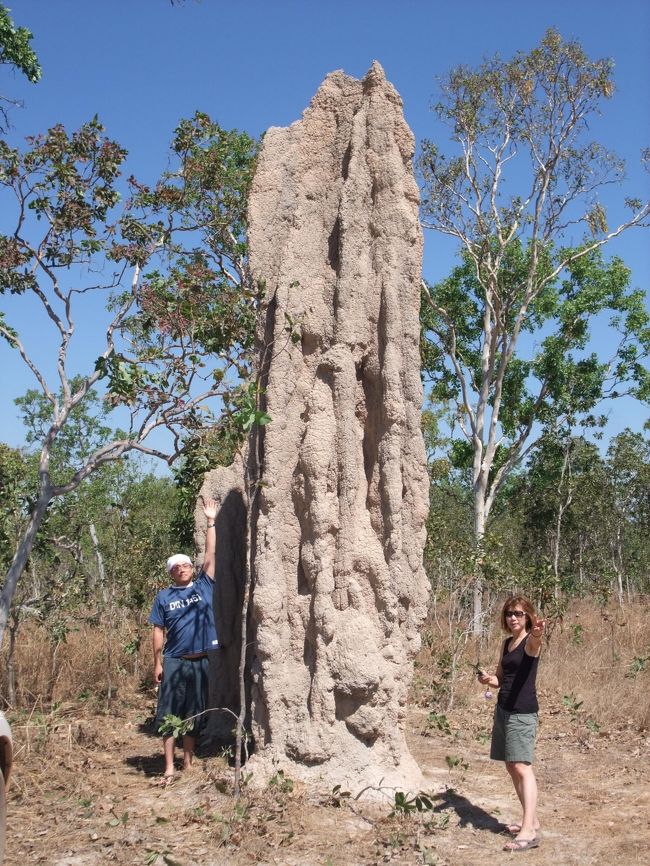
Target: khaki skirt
513	736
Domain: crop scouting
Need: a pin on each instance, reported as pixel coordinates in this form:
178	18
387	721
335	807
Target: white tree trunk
479	533
21	556
617	562
101	573
562	507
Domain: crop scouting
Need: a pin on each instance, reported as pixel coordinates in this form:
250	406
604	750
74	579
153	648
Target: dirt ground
84	793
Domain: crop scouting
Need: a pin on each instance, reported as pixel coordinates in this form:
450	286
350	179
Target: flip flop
166	781
521	844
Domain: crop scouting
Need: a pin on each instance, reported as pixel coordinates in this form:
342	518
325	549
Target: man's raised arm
209	555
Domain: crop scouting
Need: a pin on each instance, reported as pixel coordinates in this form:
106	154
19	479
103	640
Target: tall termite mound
339	591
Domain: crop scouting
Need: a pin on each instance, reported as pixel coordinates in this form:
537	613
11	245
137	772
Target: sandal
521	844
513	829
166	781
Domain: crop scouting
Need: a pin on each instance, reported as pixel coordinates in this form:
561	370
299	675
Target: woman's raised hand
539	627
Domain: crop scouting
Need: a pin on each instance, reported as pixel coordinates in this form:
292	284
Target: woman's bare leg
525	784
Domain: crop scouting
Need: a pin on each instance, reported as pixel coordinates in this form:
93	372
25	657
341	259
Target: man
183	622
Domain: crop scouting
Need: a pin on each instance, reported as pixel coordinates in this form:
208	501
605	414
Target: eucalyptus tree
628	514
521	196
174	306
18	480
17	53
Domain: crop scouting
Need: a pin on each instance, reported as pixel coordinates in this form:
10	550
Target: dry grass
91	664
595	665
601	657
596	661
83	786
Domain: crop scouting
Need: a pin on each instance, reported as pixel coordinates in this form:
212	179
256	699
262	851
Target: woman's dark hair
513	603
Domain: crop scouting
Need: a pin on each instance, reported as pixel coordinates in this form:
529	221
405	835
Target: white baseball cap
178	559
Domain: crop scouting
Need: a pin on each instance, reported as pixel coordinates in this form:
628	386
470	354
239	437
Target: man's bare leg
188	751
168	750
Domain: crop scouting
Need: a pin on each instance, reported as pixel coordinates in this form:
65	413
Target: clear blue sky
141	65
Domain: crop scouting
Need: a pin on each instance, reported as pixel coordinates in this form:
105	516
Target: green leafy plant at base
165	857
437	722
572	704
454	762
246	779
281	782
133	646
116	820
231	824
439	823
337	797
637	666
405	805
577	635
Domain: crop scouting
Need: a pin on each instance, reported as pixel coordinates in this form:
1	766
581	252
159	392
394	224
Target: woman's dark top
517	693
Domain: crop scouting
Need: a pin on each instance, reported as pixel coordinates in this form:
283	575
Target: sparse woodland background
527	490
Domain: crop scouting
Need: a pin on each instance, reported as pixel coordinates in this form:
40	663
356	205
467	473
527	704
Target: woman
515	715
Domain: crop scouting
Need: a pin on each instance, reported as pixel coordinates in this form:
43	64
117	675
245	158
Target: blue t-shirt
186	614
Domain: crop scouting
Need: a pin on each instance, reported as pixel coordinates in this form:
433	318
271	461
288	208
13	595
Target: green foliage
505	339
577	634
119	518
337	797
118	820
182	303
85	430
638	665
137	533
205	451
558	381
247	411
438	722
572	704
602	547
404	805
15	49
216	446
17	53
454	762
528	112
154	856
190	320
605	517
429	856
18	480
174	726
280	782
203	298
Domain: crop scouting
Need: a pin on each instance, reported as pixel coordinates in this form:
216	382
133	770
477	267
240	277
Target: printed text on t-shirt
184	602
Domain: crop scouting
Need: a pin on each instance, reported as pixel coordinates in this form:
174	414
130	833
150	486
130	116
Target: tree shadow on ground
468	813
